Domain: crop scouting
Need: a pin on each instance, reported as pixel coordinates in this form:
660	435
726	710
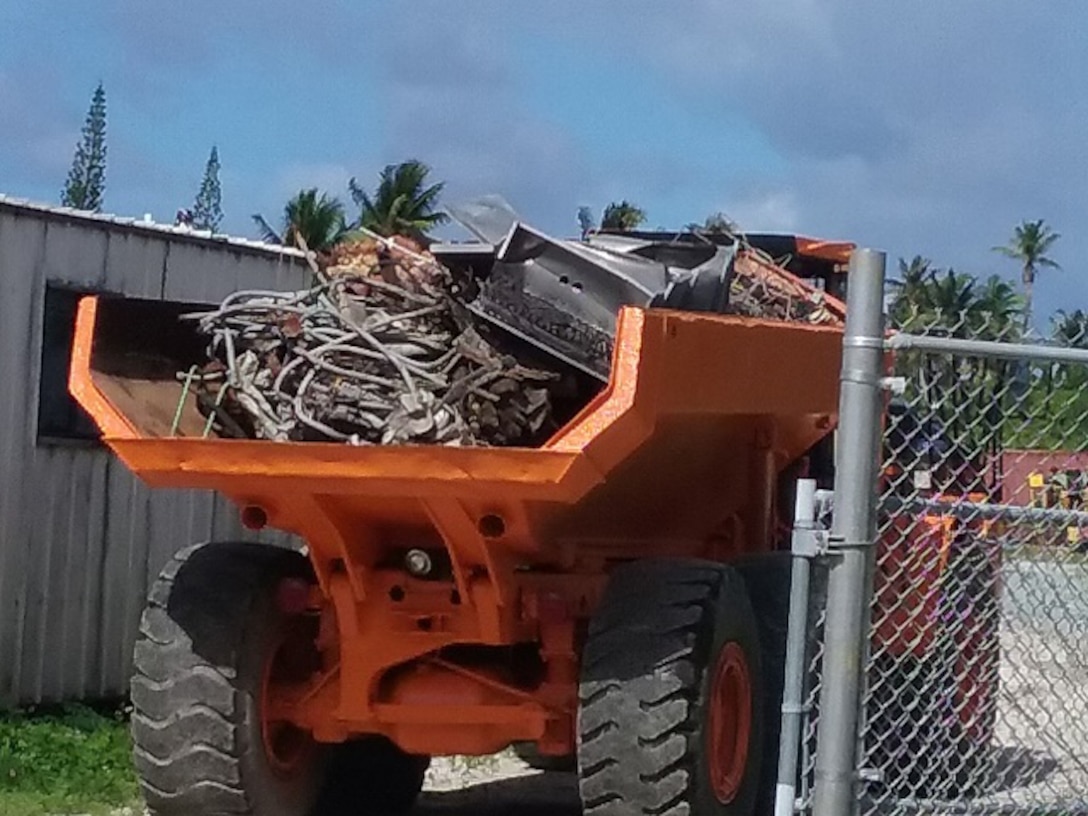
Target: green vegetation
207	209
403	204
715	224
86	182
69	759
623	216
316	218
1030	242
988	404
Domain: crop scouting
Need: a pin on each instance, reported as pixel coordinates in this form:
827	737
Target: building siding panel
80	537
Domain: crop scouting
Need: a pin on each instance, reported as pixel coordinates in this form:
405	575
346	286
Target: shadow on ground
1021	767
541	794
1010	771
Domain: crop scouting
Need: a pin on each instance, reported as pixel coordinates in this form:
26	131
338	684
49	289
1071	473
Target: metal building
80	537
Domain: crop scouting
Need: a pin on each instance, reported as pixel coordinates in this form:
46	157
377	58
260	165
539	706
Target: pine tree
87	178
207	212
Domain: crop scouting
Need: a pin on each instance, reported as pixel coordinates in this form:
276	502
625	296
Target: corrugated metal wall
80	537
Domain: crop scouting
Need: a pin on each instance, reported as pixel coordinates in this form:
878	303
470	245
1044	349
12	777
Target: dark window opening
60	417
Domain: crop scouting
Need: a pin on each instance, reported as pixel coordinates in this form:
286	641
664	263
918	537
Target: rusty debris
392	347
379	351
760	288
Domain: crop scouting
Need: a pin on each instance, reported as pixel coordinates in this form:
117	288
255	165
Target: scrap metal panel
80	537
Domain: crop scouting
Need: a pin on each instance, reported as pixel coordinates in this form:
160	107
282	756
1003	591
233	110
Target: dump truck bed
695	405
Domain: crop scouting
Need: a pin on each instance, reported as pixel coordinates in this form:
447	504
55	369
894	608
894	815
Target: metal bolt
418	562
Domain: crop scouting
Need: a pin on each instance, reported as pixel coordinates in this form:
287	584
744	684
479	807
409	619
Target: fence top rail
902	341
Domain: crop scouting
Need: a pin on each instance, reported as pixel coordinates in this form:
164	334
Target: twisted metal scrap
378	352
762	288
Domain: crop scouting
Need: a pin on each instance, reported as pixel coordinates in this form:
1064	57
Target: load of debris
378	352
392	347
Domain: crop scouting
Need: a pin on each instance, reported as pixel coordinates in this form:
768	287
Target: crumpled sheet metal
564	296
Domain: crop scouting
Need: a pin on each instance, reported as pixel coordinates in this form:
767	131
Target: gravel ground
1039	760
1042	727
502	785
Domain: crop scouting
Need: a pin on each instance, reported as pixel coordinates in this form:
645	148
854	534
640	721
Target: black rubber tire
767	577
646	673
208	625
204	638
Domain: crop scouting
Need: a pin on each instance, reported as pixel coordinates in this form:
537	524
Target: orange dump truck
613	595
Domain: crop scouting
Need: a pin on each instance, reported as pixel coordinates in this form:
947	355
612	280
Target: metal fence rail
953	672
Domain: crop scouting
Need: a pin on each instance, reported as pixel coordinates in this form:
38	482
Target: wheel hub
287	747
729	723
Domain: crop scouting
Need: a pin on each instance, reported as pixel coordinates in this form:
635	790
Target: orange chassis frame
678	456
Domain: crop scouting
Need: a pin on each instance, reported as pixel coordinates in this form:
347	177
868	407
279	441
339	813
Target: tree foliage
965	395
86	184
403	203
715	224
316	218
986	404
1030	242
207	209
622	215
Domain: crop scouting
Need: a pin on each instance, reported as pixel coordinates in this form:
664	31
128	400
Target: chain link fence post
853	530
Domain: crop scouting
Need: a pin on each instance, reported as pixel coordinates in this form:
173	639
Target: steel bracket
811	538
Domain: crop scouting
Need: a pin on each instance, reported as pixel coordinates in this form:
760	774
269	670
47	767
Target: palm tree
948	303
315	218
1029	245
998	311
911	294
623	216
403	204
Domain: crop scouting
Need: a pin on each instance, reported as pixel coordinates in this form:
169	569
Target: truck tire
767	577
208	634
211	635
669	722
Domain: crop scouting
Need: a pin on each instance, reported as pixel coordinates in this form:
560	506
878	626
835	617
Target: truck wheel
669	720
767	577
212	639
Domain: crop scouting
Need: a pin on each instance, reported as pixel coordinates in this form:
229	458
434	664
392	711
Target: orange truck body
680	455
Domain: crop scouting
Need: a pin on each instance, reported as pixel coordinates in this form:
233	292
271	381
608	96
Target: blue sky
921	128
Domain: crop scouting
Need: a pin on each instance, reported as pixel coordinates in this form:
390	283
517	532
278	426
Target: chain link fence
974	686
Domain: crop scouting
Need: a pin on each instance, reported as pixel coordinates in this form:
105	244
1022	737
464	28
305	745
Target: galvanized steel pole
853	531
808	538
